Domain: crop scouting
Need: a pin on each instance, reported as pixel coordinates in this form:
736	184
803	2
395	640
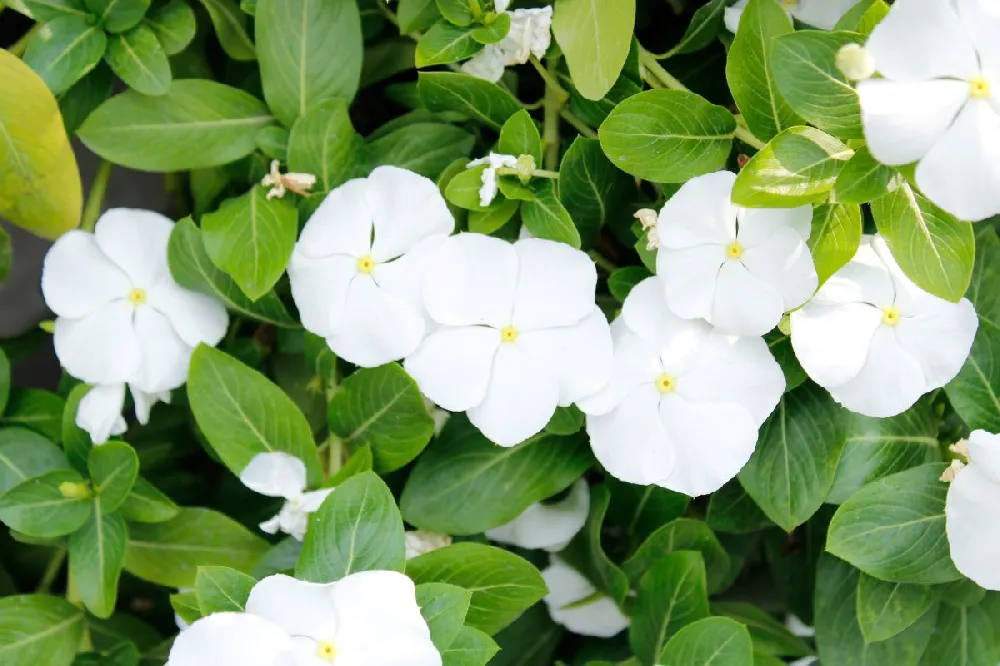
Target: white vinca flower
121	318
970	510
357	268
819	13
530	35
875	340
282	475
574	603
493	161
366	618
685	402
549	526
518	333
938	101
739	269
421	542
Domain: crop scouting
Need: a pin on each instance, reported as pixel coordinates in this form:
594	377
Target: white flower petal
297	607
421	542
100	412
601	618
700	212
865	279
404	277
488	64
939	339
165	357
311	502
822	13
376	327
981	19
319	289
902	121
555	285
758	225
984	453
744	304
77	278
635	362
100	348
832	341
292	520
341	225
733	15
689	275
521	398
406	208
471	281
581	356
229	639
630	440
452	366
548	526
923	39
529	34
961	172
271	525
275	474
971	525
784	263
144	402
889	383
136	241
195	317
645	313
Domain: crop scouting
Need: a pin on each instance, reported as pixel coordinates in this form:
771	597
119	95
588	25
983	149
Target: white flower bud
856	62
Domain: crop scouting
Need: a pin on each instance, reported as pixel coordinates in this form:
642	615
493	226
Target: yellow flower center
665	383
366	264
734	250
979	87
891	315
137	296
509	334
326	651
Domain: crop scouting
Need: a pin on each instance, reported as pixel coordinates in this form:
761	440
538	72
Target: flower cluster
529	35
121	317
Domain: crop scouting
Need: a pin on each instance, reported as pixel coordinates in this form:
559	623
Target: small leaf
64	51
222	590
835	237
714	641
44	11
480	100
705	26
416	15
494	32
36	410
118	15
446	43
885	609
146	504
519	136
96	558
595	38
39	629
174	25
424	148
39	509
26	455
545	216
769	636
139	60
323	142
862	179
114	468
231	29
471	647
77	103
681	534
444	608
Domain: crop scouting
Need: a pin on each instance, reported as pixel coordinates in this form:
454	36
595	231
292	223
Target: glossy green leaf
459	12
705	26
146	504
38	508
863	179
174	25
96	558
231	29
137	57
545	216
463	190
933	249
118	15
471	647
242	413
197	124
494	32
713	641
565	421
677	535
416	15
49	10
297	72
39	629
480	100
444	608
519	136
667	136
25	455
591	188
885	609
893	528
446	43
63	53
493	218
835	237
114	468
595	38
222	590
323	142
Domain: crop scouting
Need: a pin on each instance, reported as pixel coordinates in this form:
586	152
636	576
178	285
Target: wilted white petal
573	602
549	526
275	474
100	412
421	542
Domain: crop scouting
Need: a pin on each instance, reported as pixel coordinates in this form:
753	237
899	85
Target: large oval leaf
714	641
38	629
595	37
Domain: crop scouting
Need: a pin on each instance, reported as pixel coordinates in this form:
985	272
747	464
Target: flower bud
76	491
525	167
856	62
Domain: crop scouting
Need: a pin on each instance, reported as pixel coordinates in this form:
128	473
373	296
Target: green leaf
44	11
933	249
480	100
705	26
595	38
251	238
681	534
586	553
885	609
670	596
565	421
169	553
792	469
714	641
530	641
185	605
36	410
862	179
38	508
545	217
493	218
146	504
192	268
962	592
197	124
174	25
799	166
471	647
39	629
75	440
241	413
385	59
835	237
668	136
323	142
732	510
382	407
231	29
139	60
222	590
463	189
96	558
416	15
77	103
805	71
494	32
297	72
591	188
893	528
503	585
963	637
26	455
621	282
838	635
118	15
519	136
879	447
358	528
425	148
459	12
273	142
444	608
114	468
781	348
640	510
769	636
445	43
465	484
65	51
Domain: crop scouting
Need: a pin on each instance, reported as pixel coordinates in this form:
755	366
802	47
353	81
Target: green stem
550	80
336	454
602	261
543	173
577	124
744	134
555	97
95	200
51	571
21	45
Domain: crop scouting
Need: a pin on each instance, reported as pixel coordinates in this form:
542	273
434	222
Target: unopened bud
75	491
49	326
856	62
525	167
